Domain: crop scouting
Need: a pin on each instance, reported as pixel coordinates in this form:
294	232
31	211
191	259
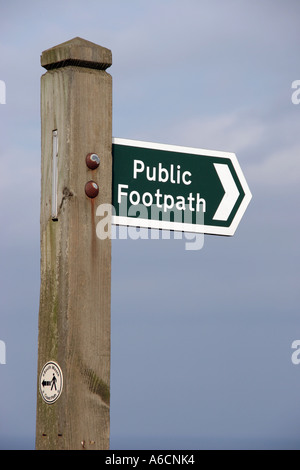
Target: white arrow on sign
231	192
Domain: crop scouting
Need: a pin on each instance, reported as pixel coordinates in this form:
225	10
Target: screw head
91	189
92	161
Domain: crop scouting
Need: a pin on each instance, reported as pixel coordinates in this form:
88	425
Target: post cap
78	52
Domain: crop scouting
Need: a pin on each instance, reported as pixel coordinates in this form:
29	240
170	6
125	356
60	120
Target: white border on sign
185	227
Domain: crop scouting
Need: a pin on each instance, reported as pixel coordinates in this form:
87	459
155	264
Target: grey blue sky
201	340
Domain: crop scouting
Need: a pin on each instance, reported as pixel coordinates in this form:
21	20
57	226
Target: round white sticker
51	382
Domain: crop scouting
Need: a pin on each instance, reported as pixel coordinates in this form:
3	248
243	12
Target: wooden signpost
73	394
168	187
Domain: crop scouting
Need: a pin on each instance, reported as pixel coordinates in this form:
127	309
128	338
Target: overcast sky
201	340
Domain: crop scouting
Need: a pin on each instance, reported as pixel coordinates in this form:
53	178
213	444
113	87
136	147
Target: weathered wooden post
73	395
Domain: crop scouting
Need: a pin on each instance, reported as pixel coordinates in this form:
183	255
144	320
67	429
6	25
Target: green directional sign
177	188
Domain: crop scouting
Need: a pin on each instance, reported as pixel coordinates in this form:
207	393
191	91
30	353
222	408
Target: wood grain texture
75	292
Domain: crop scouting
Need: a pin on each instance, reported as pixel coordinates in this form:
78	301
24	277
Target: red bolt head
91	189
92	160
